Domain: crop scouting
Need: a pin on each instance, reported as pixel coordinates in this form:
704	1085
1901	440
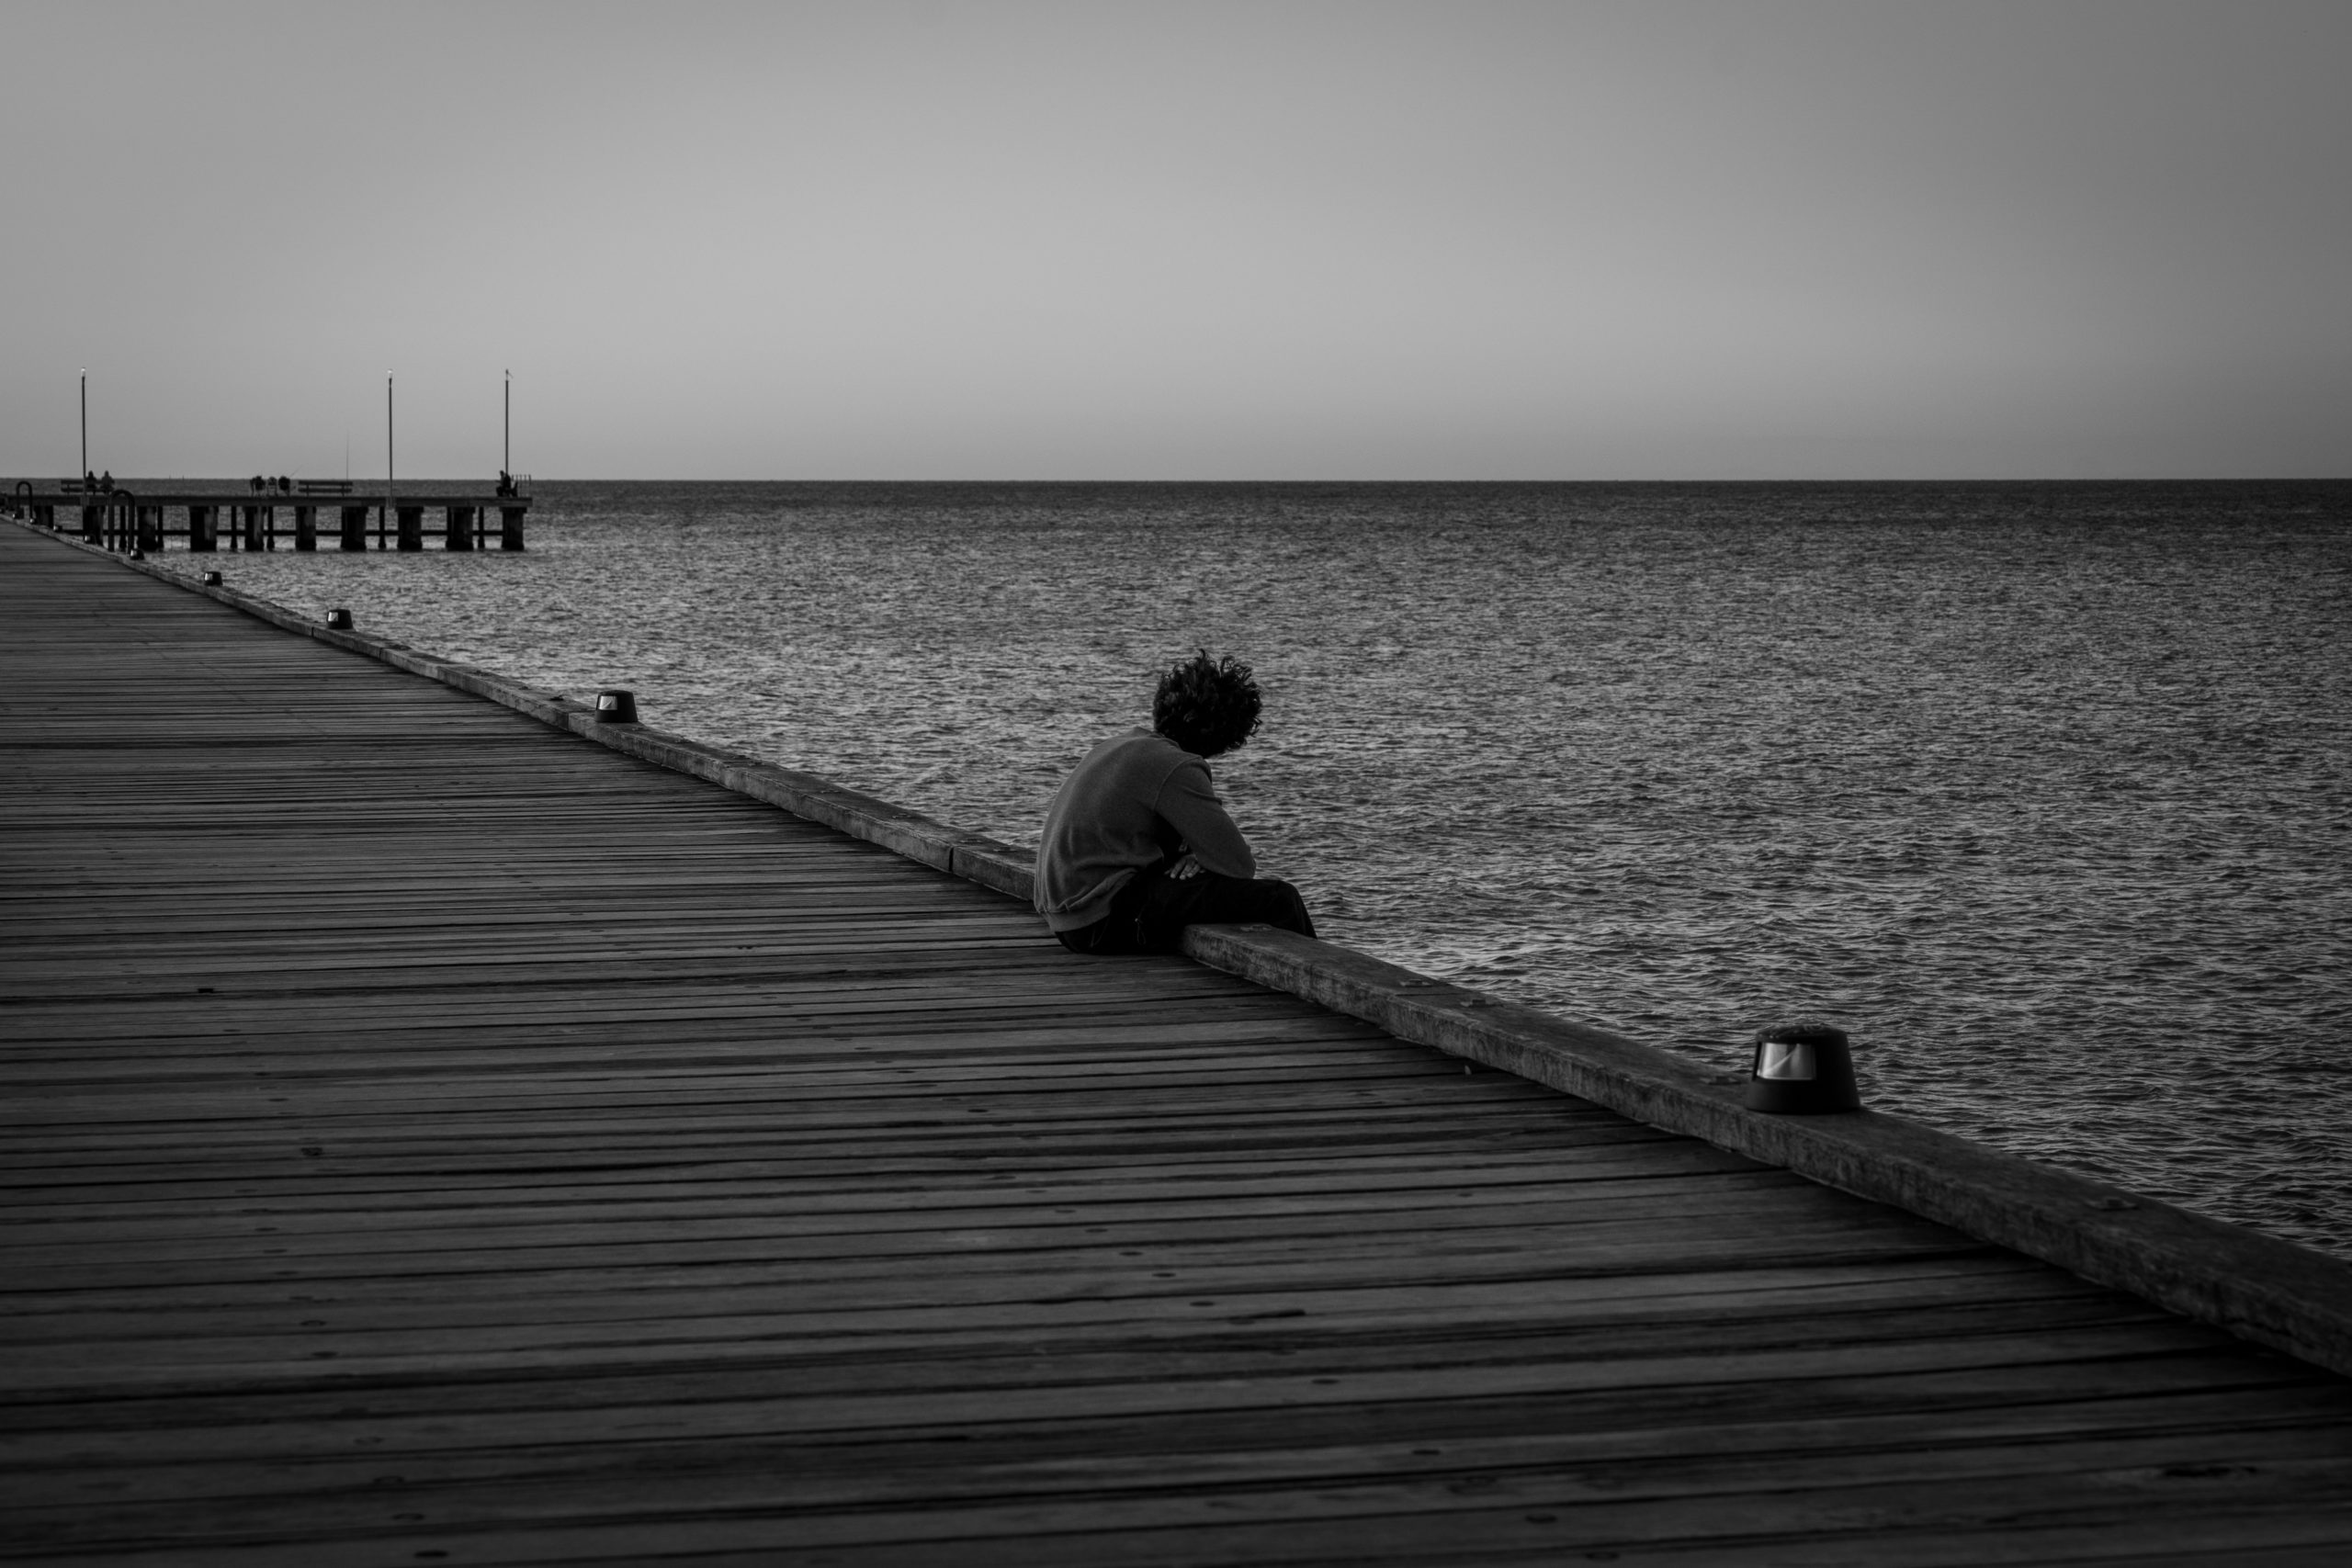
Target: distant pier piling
195	511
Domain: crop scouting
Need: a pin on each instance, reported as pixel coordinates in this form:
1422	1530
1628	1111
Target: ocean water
2044	792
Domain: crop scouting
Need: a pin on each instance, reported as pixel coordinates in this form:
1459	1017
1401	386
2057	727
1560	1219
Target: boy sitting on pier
1136	846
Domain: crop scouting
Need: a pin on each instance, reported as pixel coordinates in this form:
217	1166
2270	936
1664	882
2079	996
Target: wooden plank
819	1476
1910	1290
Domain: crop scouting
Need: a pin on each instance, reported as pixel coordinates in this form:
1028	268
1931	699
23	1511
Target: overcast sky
1182	240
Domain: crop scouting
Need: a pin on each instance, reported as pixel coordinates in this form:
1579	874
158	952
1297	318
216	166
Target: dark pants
1149	914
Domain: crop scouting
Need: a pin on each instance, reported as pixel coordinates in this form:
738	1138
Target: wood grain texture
429	1136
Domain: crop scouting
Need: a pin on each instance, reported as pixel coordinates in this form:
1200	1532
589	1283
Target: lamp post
387	522
86	423
506	434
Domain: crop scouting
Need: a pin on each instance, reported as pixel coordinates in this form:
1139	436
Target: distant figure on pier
285	485
106	481
89	480
259	484
1137	845
505	482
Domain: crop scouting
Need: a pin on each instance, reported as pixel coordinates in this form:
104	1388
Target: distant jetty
254	515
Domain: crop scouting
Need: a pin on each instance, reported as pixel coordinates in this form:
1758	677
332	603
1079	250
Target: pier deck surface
431	1137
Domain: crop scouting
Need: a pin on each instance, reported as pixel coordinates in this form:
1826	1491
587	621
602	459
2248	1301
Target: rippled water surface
2045	793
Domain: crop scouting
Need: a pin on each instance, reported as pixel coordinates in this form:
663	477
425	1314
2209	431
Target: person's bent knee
1283	906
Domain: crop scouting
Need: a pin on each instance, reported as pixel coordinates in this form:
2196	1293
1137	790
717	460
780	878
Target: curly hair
1206	705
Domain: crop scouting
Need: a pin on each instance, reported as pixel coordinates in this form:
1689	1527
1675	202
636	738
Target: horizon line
1818	480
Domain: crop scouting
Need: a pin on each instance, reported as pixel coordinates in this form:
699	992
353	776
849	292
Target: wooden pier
215	514
431	1137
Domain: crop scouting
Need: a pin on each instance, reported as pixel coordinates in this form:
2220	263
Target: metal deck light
1803	1069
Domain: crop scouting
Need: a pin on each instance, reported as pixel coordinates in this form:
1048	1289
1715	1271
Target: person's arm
1190	805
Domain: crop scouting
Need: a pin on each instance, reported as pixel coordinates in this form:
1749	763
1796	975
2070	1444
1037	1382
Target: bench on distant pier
322	487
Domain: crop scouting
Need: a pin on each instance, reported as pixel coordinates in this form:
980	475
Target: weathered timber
429	1137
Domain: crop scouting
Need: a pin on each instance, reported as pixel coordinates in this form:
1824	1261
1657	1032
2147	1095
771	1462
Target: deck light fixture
614	705
212	579
338	619
1803	1069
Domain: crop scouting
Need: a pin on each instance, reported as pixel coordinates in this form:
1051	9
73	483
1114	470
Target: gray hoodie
1134	799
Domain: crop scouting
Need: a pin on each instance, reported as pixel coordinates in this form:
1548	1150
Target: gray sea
2044	792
